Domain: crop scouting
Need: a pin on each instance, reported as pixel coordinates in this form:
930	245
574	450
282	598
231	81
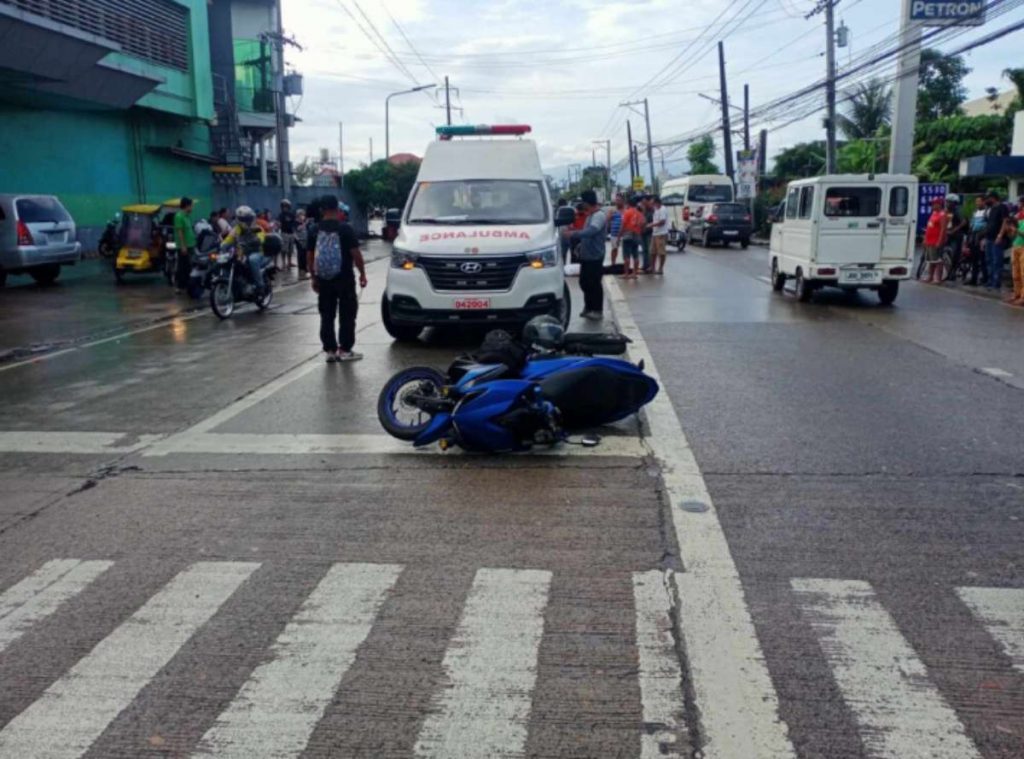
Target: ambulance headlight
543	258
403	259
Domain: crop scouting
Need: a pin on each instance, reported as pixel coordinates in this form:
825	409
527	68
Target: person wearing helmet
287	223
247	238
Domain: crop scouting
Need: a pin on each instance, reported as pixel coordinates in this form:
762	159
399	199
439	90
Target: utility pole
607	165
447	100
904	112
746	117
762	153
726	129
650	151
281	107
636	158
629	139
341	153
828	7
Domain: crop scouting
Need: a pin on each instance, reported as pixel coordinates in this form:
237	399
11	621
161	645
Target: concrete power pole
726	129
830	88
746	117
629	140
904	114
281	105
448	101
650	148
609	185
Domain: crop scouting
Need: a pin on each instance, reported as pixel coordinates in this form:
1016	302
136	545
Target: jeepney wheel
888	291
804	290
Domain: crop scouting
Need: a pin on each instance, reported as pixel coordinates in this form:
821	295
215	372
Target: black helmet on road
543	332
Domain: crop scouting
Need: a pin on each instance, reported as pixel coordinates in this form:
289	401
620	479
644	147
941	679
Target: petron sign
948	12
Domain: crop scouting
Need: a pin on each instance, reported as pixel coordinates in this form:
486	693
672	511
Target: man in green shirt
185	239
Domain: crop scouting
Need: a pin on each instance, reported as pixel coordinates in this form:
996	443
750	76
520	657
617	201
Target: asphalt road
810	546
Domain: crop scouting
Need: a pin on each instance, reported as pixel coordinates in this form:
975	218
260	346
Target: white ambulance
478	243
850	231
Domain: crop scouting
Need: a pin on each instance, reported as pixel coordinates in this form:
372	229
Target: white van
850	231
477	244
684	196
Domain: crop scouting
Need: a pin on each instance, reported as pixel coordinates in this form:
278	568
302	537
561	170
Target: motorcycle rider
247	237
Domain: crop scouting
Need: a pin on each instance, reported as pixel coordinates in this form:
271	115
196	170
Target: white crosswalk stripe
1001	610
76	709
660	675
491	667
900	712
41	593
277	709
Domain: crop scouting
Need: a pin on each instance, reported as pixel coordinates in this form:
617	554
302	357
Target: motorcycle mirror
590	441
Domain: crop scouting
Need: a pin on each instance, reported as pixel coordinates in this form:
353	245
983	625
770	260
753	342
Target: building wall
250	18
96	162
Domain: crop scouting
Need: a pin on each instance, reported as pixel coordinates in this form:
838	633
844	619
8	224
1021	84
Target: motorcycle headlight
223	258
403	259
543	258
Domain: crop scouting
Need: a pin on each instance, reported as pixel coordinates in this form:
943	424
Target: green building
111	102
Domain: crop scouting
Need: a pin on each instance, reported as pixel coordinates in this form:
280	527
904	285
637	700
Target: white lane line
276	711
76	709
900	712
1002	612
738	705
41	593
31	441
660	675
491	665
992	371
287	444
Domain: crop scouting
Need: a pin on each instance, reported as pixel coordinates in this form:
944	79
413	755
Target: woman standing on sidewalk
934	240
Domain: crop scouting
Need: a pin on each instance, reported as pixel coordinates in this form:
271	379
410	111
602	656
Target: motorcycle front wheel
222	300
396	409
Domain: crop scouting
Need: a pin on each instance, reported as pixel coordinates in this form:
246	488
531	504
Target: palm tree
869	110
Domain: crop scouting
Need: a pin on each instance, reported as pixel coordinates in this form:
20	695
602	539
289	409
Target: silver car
37	237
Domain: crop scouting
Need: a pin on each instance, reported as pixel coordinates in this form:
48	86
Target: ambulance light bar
476	130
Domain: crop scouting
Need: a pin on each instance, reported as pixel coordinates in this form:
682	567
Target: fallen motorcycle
498	408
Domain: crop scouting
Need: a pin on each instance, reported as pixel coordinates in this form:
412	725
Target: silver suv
37	237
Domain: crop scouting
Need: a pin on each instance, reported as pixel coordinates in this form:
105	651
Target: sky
564	66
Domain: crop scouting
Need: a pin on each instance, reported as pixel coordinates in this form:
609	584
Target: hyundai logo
472	267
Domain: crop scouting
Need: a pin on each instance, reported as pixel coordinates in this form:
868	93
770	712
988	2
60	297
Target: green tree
868	112
805	159
381	184
1016	75
941	89
942	143
701	155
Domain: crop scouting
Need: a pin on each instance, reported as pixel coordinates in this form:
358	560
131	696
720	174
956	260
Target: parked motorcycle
494	408
108	244
231	281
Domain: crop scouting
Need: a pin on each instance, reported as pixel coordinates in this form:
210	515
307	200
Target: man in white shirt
659	236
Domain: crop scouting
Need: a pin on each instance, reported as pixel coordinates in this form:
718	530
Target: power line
408	41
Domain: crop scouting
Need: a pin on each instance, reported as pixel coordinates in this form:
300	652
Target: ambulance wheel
403	333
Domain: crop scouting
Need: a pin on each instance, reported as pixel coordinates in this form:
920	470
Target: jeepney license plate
860	276
472	304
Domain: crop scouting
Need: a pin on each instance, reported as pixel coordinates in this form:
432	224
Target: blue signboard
926	193
948	12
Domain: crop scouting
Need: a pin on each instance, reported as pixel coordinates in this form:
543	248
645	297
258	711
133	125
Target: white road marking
41	593
996	372
298	444
17	441
276	711
900	712
491	665
76	709
738	705
1002	612
660	675
766	280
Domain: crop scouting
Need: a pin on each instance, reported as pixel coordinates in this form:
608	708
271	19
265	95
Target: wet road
810	547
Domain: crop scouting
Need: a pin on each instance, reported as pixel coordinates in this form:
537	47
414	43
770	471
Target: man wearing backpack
330	262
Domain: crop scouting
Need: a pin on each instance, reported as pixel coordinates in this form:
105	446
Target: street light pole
608	165
387	115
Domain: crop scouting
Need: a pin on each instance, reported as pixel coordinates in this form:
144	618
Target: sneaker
349	356
593	315
332	358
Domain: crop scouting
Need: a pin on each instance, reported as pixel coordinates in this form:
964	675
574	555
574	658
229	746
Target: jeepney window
899	201
806	202
853	201
792	202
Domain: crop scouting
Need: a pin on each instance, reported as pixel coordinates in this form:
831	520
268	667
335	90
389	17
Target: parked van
684	196
37	237
850	231
477	242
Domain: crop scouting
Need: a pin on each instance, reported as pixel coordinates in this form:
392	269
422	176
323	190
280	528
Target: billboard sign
948	12
926	193
746	174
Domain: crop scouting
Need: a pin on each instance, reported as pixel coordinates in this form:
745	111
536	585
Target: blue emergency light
476	130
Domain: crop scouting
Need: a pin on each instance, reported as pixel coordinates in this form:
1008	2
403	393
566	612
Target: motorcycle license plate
472	304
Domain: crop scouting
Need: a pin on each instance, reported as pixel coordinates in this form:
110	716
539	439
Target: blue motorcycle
495	408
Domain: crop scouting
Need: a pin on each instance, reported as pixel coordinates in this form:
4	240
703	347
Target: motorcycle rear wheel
393	403
222	300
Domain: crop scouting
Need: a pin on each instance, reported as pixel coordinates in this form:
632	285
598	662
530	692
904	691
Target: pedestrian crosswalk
482	697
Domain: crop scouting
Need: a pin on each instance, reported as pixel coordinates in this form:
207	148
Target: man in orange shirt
629	237
934	240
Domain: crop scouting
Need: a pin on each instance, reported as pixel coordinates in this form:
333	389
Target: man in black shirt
995	245
287	222
330	261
